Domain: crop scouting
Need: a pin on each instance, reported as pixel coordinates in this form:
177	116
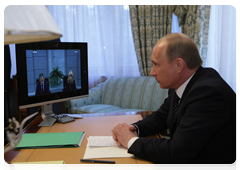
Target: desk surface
92	125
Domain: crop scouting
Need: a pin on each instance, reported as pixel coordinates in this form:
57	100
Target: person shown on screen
200	111
42	86
70	84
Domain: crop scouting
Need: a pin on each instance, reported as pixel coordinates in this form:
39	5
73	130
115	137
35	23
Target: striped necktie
175	104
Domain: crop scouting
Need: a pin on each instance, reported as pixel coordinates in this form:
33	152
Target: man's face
41	80
163	71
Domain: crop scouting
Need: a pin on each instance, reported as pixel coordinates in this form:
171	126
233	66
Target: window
107	30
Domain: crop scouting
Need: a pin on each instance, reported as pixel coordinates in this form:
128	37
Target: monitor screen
50	72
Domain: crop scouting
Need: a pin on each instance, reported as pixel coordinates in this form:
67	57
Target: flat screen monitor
51	72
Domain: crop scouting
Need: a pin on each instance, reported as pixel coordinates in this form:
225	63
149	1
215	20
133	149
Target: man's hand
122	133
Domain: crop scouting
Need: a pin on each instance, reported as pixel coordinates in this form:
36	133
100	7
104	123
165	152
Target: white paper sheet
104	147
101	141
106	152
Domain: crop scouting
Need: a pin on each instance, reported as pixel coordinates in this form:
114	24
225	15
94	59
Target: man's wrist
136	129
131	141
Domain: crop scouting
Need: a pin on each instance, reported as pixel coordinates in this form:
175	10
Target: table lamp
25	24
29	23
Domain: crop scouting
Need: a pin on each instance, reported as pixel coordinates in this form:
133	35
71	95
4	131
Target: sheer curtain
111	52
107	30
222	42
175	26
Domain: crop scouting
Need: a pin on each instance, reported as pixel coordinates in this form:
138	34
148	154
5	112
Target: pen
97	161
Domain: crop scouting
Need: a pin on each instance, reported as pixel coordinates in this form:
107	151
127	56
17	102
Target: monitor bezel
26	101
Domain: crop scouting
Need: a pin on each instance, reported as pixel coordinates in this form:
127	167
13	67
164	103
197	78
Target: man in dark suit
200	111
42	86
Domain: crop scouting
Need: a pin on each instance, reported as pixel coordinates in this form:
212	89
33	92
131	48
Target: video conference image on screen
52	71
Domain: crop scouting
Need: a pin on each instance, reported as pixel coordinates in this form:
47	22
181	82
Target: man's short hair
181	46
41	75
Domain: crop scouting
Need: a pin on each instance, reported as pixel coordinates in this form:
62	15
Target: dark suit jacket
46	88
70	86
204	130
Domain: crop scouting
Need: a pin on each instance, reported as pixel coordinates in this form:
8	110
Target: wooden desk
92	125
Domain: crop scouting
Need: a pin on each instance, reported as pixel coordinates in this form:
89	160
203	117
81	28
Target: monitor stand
47	113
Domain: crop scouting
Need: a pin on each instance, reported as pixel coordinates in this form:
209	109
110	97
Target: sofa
121	94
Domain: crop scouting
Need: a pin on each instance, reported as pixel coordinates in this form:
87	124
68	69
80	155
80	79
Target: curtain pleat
149	23
194	21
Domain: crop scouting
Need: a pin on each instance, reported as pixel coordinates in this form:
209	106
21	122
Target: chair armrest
95	95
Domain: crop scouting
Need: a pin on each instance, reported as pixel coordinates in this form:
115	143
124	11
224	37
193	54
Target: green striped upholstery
123	94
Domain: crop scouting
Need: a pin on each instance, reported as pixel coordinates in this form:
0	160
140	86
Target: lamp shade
29	23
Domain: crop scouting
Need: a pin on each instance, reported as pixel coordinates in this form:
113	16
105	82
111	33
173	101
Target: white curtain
175	26
111	51
107	30
222	42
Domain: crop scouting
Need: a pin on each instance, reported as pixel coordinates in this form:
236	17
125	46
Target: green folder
50	140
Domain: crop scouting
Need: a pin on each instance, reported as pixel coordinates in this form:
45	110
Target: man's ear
179	64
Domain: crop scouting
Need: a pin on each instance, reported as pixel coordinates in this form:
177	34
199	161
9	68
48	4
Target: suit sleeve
156	122
202	115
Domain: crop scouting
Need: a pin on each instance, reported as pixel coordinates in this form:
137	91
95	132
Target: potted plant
55	76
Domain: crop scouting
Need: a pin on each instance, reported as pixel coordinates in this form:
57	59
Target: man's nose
152	72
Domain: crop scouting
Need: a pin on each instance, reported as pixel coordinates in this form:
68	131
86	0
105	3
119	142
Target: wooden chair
21	112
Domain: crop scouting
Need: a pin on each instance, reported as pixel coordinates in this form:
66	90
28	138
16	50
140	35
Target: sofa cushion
122	94
141	93
98	108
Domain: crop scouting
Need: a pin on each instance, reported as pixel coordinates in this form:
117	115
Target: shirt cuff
131	141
